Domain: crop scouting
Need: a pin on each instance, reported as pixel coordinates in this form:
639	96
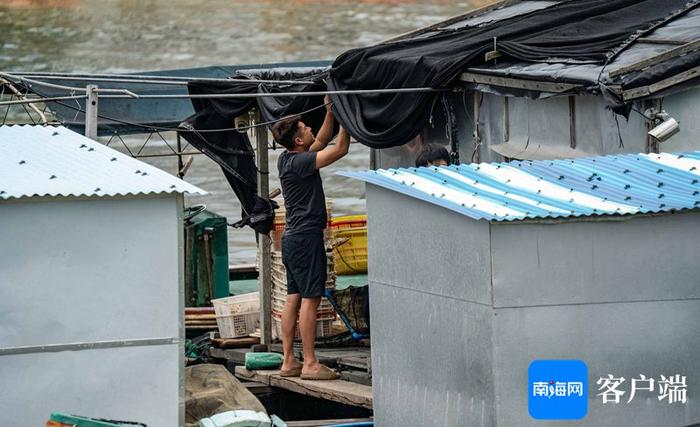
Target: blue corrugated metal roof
605	185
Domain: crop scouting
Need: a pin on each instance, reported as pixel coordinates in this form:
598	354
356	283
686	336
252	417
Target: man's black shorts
304	257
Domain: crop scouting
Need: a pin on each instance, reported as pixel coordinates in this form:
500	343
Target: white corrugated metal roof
54	161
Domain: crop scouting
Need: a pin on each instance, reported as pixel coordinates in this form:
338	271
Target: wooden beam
539	86
642	91
652	40
335	390
671	53
452	20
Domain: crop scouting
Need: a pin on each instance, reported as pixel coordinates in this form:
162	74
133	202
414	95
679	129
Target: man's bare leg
307	330
289	322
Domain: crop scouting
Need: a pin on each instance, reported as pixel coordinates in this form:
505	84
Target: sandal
325	373
294	372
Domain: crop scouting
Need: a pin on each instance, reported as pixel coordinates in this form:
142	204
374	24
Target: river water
117	36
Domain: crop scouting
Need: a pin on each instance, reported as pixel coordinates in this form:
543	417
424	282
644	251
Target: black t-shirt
302	189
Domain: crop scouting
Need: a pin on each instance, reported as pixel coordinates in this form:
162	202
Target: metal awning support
21	97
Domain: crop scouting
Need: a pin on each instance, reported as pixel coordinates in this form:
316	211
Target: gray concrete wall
429	274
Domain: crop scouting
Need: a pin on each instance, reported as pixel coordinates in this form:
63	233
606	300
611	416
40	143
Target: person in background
433	155
303	249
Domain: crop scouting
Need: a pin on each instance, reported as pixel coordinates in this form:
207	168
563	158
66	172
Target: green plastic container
206	259
76	421
255	361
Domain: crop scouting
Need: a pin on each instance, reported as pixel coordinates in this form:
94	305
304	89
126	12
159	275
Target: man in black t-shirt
303	250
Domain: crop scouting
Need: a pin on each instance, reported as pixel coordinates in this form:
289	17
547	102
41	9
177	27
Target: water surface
116	36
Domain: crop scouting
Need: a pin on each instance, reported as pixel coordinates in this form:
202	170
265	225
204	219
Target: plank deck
337	390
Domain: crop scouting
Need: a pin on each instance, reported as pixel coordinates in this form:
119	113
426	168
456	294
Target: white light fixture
665	125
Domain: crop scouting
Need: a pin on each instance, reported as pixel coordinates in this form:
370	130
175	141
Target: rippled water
130	36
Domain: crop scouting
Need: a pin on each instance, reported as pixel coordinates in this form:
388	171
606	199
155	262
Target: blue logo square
557	389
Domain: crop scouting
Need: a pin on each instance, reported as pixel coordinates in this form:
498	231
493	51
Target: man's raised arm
325	134
331	154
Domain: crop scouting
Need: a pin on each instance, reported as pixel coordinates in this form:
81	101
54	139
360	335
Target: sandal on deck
325	373
294	372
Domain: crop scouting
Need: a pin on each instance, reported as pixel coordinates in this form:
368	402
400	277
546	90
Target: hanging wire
79	110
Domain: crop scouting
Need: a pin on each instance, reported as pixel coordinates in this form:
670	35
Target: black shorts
304	257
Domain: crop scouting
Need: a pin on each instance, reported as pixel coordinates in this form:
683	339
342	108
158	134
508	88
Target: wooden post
180	170
476	154
506	120
265	272
572	122
91	111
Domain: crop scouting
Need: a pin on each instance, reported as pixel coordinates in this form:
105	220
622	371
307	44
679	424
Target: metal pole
143	77
40	100
156	81
276	94
91	111
265	273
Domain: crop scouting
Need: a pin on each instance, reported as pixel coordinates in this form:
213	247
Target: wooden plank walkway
336	390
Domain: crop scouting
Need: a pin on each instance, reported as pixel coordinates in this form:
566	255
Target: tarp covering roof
38	161
142	115
606	185
569	32
682	30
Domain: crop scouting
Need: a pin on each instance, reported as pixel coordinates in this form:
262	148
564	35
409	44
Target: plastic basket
238	325
351	257
237	316
279	298
349	221
239	304
324	328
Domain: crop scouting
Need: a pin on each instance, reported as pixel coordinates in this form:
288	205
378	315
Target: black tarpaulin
581	31
211	131
589	31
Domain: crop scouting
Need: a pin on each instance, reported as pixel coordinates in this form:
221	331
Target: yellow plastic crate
350	257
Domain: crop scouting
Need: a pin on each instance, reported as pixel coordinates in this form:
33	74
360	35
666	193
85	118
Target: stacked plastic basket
326	314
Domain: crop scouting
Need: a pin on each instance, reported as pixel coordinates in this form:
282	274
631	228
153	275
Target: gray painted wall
430	366
461	307
638	259
546	122
622	295
99	269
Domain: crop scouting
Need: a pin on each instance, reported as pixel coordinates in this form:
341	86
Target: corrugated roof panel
606	185
54	161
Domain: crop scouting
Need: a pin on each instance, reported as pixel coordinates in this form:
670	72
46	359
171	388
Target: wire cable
177	129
